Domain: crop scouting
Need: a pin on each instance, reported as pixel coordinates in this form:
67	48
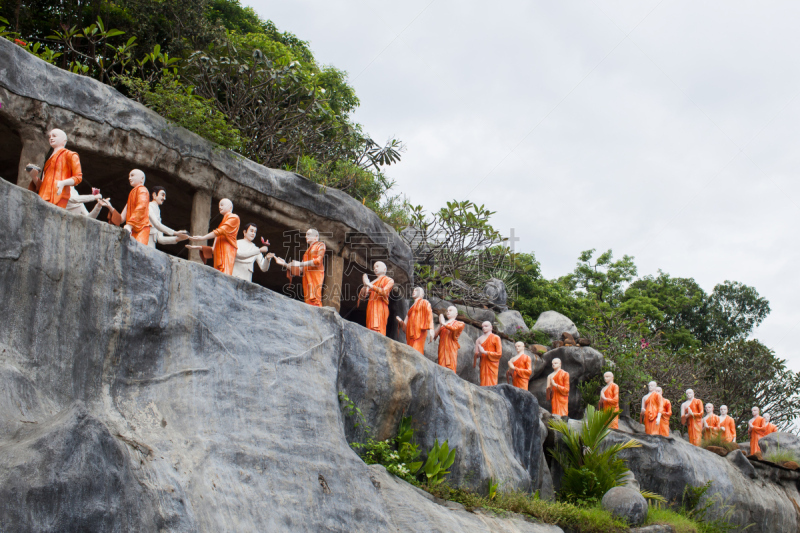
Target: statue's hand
365	279
263	249
59	186
182	236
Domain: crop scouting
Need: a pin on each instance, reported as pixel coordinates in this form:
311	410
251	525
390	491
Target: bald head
379	268
136	177
57	138
225	206
312	235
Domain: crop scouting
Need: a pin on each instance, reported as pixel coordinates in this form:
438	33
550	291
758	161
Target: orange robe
694	423
137	214
666	414
60	166
558	394
729	435
225	244
490	361
418	324
652	408
523	372
712	429
613	404
757	431
378	305
448	344
314	275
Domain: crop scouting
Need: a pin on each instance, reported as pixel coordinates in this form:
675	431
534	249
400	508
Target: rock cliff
141	392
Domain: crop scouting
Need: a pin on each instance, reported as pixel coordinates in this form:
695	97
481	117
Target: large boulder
582	363
626	504
510	322
140	394
785	442
495	291
554	324
666	465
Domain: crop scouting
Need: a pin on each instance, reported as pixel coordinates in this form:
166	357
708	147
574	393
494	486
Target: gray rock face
626	504
780	441
510	322
658	528
495	291
581	363
667	465
554	324
141	392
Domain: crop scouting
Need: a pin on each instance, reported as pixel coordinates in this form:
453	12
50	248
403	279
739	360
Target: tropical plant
590	468
440	458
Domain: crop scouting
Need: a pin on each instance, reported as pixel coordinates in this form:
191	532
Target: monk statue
710	423
312	268
448	332
727	427
769	427
692	417
609	398
651	410
520	367
248	253
136	214
489	350
159	233
224	238
378	304
557	389
666	414
77	203
62	171
418	324
756	427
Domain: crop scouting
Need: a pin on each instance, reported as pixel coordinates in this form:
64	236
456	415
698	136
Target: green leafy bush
590	468
440	458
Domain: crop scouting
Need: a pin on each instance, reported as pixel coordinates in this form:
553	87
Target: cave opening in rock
11	152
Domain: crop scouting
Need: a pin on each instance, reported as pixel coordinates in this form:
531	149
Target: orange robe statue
770	428
523	373
612	391
420	317
137	214
666	414
378	305
652	408
490	361
694	422
61	166
559	393
712	429
757	431
225	244
729	435
448	344
314	275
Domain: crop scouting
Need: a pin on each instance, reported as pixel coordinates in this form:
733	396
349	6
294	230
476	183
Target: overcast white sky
667	130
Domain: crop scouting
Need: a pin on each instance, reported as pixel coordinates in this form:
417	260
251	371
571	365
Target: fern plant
590	468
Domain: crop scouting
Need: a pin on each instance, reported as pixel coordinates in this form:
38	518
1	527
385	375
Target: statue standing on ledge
692	417
520	367
769	427
136	214
448	333
312	268
756	427
666	414
651	410
609	398
378	304
418	324
558	389
159	233
224	238
248	253
489	350
62	171
727	427
711	425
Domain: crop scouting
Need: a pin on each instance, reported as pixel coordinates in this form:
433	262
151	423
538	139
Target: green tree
604	280
735	309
